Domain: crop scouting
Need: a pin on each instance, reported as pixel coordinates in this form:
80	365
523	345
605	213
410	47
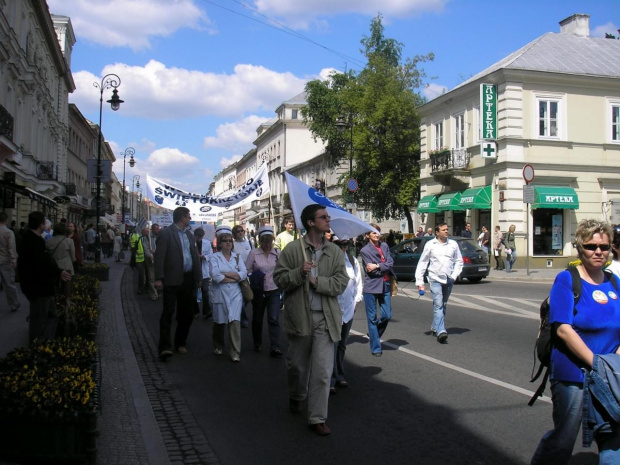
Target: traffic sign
352	185
528	194
528	173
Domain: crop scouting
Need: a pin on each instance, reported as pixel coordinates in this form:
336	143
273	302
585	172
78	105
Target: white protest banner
343	223
162	220
204	207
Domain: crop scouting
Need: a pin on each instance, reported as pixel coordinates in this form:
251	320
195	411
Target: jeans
269	301
182	300
340	348
510	260
206	306
7	277
377	326
556	446
441	293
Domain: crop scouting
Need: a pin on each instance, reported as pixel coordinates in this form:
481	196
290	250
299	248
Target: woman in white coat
347	301
226	270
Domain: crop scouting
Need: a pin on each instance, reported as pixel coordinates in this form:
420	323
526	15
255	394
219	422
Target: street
464	402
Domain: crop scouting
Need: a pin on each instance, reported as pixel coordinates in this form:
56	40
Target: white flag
343	223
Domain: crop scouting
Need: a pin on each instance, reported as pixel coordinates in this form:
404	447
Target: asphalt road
464	402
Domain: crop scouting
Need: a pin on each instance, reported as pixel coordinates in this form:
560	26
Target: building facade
555	108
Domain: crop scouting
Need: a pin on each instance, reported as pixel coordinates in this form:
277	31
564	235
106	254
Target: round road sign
352	185
528	173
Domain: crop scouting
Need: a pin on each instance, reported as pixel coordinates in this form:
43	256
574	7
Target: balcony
449	163
6	123
46	170
70	188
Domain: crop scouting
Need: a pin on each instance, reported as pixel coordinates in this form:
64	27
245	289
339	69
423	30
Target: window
294	114
615	123
548	118
459	131
476	124
438	134
548	231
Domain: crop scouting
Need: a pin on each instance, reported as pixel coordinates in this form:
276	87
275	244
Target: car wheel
474	280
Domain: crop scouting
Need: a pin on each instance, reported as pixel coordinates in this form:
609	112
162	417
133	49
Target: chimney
577	25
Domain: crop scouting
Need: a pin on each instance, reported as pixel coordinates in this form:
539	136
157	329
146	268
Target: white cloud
236	136
299	14
609	28
155	91
130	23
224	162
432	91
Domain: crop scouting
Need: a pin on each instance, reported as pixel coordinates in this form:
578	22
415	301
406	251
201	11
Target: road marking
464	371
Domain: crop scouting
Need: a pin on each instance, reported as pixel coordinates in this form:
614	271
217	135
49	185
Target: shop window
548	231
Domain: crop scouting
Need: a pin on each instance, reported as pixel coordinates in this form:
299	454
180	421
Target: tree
381	102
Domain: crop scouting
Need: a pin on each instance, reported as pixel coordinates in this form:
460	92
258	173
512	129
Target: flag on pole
343	223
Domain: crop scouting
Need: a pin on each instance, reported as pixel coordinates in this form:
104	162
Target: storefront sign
488	111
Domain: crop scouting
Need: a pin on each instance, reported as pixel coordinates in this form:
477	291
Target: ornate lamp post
135	183
128	151
109	81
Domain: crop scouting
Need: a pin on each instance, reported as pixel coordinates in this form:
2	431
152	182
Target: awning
555	197
428	204
34	195
449	201
476	198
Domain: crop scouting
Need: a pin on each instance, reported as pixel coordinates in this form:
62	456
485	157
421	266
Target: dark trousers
182	299
499	261
269	301
340	349
43	320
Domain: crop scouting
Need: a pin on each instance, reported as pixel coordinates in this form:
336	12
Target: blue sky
199	76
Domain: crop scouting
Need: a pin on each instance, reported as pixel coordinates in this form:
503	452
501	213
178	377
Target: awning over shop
34	195
449	201
476	198
428	204
555	197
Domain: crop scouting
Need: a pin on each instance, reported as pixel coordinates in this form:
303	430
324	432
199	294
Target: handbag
393	286
244	284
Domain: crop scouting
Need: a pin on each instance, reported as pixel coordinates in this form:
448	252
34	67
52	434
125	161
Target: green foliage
381	103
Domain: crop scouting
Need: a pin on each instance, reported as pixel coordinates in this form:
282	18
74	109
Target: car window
405	247
468	246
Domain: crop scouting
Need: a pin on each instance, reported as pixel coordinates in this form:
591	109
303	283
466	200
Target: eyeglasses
593	247
322	217
225	240
239	231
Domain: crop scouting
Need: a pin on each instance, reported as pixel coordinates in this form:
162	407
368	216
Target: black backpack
546	333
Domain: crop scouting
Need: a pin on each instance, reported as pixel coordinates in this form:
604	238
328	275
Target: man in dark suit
178	272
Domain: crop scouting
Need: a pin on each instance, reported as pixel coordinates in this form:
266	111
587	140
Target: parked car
407	254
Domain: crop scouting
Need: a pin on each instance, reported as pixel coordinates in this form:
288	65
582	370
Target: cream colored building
558	110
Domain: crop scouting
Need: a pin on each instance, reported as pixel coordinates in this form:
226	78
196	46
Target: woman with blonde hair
511	248
582	330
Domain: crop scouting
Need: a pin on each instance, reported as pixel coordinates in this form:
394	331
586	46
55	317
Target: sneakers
218	351
181	350
276	353
332	391
165	354
235	358
442	338
377	354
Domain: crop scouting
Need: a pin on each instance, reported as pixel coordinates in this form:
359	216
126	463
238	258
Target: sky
199	76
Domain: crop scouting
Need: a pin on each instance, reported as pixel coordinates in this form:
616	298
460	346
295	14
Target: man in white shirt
443	259
243	247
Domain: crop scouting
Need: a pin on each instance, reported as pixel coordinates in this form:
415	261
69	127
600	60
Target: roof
562	53
299	99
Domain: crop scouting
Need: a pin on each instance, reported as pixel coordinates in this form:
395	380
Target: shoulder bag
244	284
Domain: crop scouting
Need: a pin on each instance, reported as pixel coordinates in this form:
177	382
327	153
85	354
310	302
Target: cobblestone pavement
184	440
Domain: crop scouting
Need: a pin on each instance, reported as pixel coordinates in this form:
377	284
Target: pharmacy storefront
550	210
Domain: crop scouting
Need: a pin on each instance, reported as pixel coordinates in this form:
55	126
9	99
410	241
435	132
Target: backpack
546	333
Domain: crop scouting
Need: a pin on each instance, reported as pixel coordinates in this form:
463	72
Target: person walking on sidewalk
145	262
497	249
286	236
443	259
205	252
38	275
118	246
178	273
242	247
8	262
511	248
378	263
312	274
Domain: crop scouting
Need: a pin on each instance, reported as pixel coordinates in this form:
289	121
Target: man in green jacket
312	273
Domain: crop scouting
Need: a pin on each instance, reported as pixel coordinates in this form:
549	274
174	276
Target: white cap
222	229
265	230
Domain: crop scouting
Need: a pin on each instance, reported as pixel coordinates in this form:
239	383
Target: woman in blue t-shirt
592	326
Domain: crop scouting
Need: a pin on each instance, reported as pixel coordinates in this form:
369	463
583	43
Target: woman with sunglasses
377	263
590	326
226	270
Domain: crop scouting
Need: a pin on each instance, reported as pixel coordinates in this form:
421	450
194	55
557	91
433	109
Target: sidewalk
521	274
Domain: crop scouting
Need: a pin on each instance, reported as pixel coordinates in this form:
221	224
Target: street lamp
109	81
128	151
134	183
341	126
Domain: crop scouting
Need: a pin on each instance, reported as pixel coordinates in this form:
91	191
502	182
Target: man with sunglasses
178	272
312	274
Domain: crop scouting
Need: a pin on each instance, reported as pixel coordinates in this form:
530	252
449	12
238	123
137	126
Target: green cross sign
488	149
